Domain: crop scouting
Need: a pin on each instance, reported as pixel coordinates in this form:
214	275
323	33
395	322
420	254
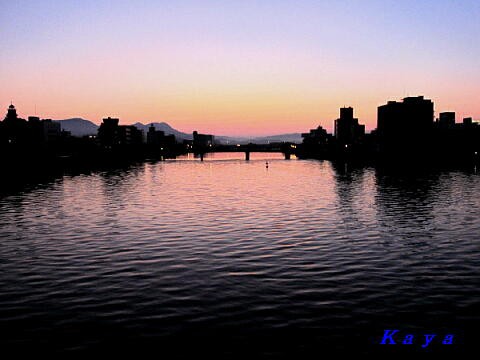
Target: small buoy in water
266	164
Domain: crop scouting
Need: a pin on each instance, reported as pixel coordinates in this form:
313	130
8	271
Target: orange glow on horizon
222	77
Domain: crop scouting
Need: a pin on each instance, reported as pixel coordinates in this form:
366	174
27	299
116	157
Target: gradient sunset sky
237	67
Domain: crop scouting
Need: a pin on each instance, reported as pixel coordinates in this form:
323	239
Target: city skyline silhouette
407	131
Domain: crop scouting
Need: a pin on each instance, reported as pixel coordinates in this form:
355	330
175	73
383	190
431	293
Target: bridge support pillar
247	155
287	156
201	156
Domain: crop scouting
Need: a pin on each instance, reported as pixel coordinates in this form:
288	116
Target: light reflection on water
186	250
218	156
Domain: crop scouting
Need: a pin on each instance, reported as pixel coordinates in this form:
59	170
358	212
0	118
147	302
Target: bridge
287	149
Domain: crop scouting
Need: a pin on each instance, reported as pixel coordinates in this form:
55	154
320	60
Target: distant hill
294	138
81	127
78	127
163	126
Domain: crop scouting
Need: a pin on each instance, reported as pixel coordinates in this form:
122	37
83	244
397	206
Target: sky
237	67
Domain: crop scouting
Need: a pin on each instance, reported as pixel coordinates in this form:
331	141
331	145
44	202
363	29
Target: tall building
405	126
413	115
108	132
51	130
347	129
36	130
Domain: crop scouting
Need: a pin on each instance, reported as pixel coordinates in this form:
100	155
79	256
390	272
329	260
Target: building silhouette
12	115
347	129
108	134
202	142
130	135
414	114
446	120
39	145
157	138
468	122
111	134
318	136
51	130
405	130
405	127
43	131
317	142
14	129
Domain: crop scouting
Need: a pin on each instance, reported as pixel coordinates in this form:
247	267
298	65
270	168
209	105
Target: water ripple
185	248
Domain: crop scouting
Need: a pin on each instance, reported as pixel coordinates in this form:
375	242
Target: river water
226	257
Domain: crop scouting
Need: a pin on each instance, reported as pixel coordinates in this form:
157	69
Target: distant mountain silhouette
163	126
78	127
81	127
293	137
